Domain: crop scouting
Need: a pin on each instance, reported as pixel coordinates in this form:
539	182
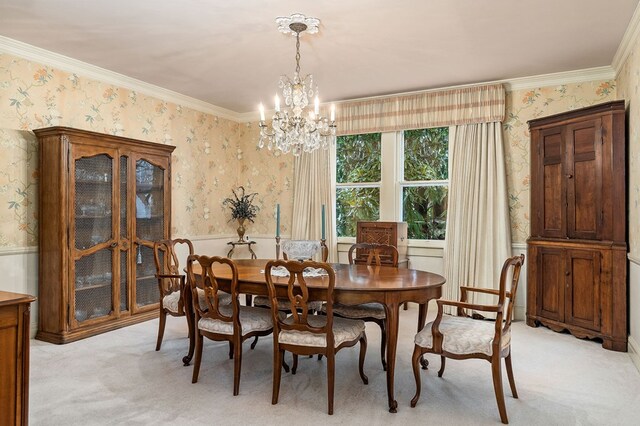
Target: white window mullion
388	187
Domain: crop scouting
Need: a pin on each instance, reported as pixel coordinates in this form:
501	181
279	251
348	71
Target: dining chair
370	312
304	334
299	250
463	337
223	322
171	285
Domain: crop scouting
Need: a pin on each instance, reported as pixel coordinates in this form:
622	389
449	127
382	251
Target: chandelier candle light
296	128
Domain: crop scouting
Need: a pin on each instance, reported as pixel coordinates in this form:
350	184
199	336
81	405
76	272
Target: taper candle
277	220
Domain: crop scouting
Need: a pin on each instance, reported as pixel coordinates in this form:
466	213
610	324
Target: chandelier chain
297	54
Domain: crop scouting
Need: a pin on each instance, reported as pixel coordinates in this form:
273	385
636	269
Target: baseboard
519	313
634	352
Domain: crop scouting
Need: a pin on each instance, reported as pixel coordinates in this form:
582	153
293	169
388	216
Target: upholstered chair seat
463	336
364	310
344	330
283	304
171	301
251	319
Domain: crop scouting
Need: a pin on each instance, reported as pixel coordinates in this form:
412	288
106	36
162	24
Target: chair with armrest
370	312
304	334
223	322
171	285
462	337
175	295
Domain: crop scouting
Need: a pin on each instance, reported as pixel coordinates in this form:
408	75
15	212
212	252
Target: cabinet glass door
150	204
92	235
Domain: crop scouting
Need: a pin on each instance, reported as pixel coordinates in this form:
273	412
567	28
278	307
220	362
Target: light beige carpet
118	378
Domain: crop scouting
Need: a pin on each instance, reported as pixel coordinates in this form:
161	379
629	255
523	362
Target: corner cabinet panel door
583	289
551	187
93	234
584	179
151	212
551	283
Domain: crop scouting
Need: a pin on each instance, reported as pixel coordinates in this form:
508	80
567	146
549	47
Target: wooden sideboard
14	361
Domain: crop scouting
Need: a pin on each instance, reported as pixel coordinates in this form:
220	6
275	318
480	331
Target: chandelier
296	127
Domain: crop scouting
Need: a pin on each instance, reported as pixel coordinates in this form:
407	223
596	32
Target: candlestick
277	103
323	230
277	220
316	106
277	248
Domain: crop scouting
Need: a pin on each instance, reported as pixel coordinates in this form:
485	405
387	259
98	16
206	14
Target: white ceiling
230	54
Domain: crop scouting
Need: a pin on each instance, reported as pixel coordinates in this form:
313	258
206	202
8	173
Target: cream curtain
478	234
312	188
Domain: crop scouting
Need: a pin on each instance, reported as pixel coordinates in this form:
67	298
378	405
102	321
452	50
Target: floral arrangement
241	204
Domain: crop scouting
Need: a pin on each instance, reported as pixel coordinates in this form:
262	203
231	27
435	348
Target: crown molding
628	39
68	64
559	78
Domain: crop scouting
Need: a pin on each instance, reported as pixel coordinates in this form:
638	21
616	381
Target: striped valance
476	104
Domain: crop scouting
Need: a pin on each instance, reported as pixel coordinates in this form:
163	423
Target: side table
233	245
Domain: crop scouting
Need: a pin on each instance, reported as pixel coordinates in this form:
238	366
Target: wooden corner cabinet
390	233
103	201
577	251
14	360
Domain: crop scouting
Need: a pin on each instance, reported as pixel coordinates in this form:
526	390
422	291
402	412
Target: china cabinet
103	201
577	251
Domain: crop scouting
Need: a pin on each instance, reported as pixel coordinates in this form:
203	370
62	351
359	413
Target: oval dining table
355	284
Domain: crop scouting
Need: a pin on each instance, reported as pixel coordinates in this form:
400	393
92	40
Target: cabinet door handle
114	245
569	176
567	273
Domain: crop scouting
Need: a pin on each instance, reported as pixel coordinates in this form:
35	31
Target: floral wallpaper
214	154
524	105
629	90
270	174
32	95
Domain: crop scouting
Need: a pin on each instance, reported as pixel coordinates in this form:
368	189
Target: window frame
391	185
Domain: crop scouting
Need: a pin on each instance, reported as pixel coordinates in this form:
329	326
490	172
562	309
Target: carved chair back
209	283
303	249
374	252
298	296
170	277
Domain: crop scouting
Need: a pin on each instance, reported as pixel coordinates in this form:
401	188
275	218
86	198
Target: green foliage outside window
358	158
358	161
426	157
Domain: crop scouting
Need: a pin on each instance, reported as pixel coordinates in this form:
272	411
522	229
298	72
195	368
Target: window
358	176
394	176
424	182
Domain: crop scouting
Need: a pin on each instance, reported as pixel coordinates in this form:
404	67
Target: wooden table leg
392	310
